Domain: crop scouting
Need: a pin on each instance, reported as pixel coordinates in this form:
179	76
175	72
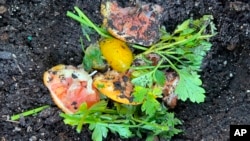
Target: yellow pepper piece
117	53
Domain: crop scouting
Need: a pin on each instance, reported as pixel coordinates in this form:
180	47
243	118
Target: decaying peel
139	25
169	97
70	87
116	86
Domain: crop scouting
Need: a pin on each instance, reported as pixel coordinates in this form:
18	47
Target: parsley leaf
99	131
139	93
150	105
183	51
159	77
143	80
122	131
147	96
122	119
189	86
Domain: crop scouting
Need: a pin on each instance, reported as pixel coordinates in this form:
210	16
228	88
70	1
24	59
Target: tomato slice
70	87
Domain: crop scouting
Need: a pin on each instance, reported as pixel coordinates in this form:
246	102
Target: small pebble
2	1
225	63
17	129
231	75
29	129
3	9
5	55
33	138
1	83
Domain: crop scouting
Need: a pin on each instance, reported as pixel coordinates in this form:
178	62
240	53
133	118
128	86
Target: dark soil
36	35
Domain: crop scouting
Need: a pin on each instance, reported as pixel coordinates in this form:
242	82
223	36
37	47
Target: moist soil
36	35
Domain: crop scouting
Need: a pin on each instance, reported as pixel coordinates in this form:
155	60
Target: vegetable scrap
116	86
168	91
93	59
138	25
116	53
70	87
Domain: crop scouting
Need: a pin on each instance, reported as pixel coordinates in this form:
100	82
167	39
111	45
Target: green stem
158	65
206	36
170	56
148	67
157	126
27	113
139	47
171	64
83	19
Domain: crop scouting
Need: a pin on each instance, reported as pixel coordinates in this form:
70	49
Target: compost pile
36	35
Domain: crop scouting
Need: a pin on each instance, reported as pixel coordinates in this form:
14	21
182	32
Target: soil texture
36	35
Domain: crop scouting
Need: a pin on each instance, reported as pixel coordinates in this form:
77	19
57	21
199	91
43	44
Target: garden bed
36	35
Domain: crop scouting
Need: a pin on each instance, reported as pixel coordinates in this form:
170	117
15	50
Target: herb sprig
182	51
123	120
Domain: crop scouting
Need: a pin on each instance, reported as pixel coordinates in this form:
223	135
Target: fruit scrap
70	87
169	97
116	86
138	25
117	53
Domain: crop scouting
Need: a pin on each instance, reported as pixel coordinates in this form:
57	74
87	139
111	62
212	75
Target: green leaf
150	105
124	109
82	108
156	91
100	106
143	80
159	77
182	27
189	86
70	119
139	93
150	138
202	48
99	131
121	130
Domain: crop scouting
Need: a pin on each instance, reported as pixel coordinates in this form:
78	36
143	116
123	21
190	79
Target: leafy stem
102	118
29	112
182	51
85	21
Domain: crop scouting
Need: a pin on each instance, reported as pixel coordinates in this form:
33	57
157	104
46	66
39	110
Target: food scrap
169	97
138	25
70	87
116	86
117	53
137	84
